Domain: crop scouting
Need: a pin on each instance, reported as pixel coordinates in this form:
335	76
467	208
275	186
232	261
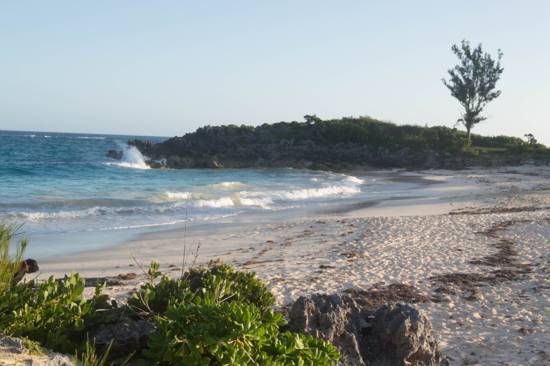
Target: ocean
68	196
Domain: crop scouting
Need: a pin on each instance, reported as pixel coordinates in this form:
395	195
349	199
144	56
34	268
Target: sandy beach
476	247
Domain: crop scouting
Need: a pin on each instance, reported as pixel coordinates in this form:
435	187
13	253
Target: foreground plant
9	266
219	316
208	316
217	280
53	313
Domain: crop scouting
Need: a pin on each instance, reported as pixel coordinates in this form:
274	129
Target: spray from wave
131	158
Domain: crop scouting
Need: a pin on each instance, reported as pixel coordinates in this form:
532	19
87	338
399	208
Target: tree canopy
473	82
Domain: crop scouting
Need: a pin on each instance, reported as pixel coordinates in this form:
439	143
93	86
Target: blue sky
168	67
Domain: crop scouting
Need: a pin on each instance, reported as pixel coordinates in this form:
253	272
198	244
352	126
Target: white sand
399	241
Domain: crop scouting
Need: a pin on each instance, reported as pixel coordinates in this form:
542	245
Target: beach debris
107	281
504	261
128	276
392	334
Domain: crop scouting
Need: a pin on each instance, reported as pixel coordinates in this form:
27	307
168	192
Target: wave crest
131	158
229	185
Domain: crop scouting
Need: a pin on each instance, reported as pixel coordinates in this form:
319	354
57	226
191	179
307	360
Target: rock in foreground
392	335
14	352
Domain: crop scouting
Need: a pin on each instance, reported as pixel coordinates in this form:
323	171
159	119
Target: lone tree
472	82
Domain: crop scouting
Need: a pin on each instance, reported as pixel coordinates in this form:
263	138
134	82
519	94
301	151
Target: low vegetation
337	144
207	316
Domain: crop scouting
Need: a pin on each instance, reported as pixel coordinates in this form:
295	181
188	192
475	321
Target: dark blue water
69	196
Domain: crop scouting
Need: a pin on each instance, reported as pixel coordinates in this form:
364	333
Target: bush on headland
208	316
335	145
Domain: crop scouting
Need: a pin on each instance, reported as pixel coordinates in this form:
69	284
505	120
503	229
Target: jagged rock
335	318
13	352
401	335
125	332
392	335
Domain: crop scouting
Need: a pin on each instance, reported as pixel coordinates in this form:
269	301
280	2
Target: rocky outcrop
115	154
125	335
333	145
335	318
401	335
396	334
13	352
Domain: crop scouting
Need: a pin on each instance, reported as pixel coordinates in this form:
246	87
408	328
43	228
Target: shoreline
483	295
174	238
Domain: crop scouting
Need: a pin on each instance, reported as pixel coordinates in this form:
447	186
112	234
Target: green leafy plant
9	266
53	313
219	316
159	292
231	333
89	356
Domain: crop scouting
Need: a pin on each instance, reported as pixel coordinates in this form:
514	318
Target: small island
341	144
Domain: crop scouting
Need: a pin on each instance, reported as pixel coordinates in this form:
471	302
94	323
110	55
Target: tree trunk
468	135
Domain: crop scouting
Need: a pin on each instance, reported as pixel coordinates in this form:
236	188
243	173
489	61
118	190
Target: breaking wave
229	185
131	158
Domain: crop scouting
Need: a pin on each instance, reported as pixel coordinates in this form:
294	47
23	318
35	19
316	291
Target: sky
167	67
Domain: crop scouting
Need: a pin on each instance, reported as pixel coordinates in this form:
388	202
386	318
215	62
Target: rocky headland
342	144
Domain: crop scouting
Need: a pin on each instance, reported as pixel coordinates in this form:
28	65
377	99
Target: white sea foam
91	137
72	214
235	200
229	185
355	180
257	202
131	158
266	199
216	203
309	193
174	196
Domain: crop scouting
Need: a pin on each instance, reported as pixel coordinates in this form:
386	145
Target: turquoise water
69	196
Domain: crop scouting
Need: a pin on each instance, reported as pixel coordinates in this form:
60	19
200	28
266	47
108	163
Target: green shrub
219	316
216	279
53	313
231	333
9	266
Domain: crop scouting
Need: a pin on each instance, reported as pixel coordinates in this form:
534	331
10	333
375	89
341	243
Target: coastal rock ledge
340	144
13	352
392	335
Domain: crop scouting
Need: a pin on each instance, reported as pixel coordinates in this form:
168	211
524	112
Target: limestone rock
335	318
401	335
126	333
13	352
391	335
